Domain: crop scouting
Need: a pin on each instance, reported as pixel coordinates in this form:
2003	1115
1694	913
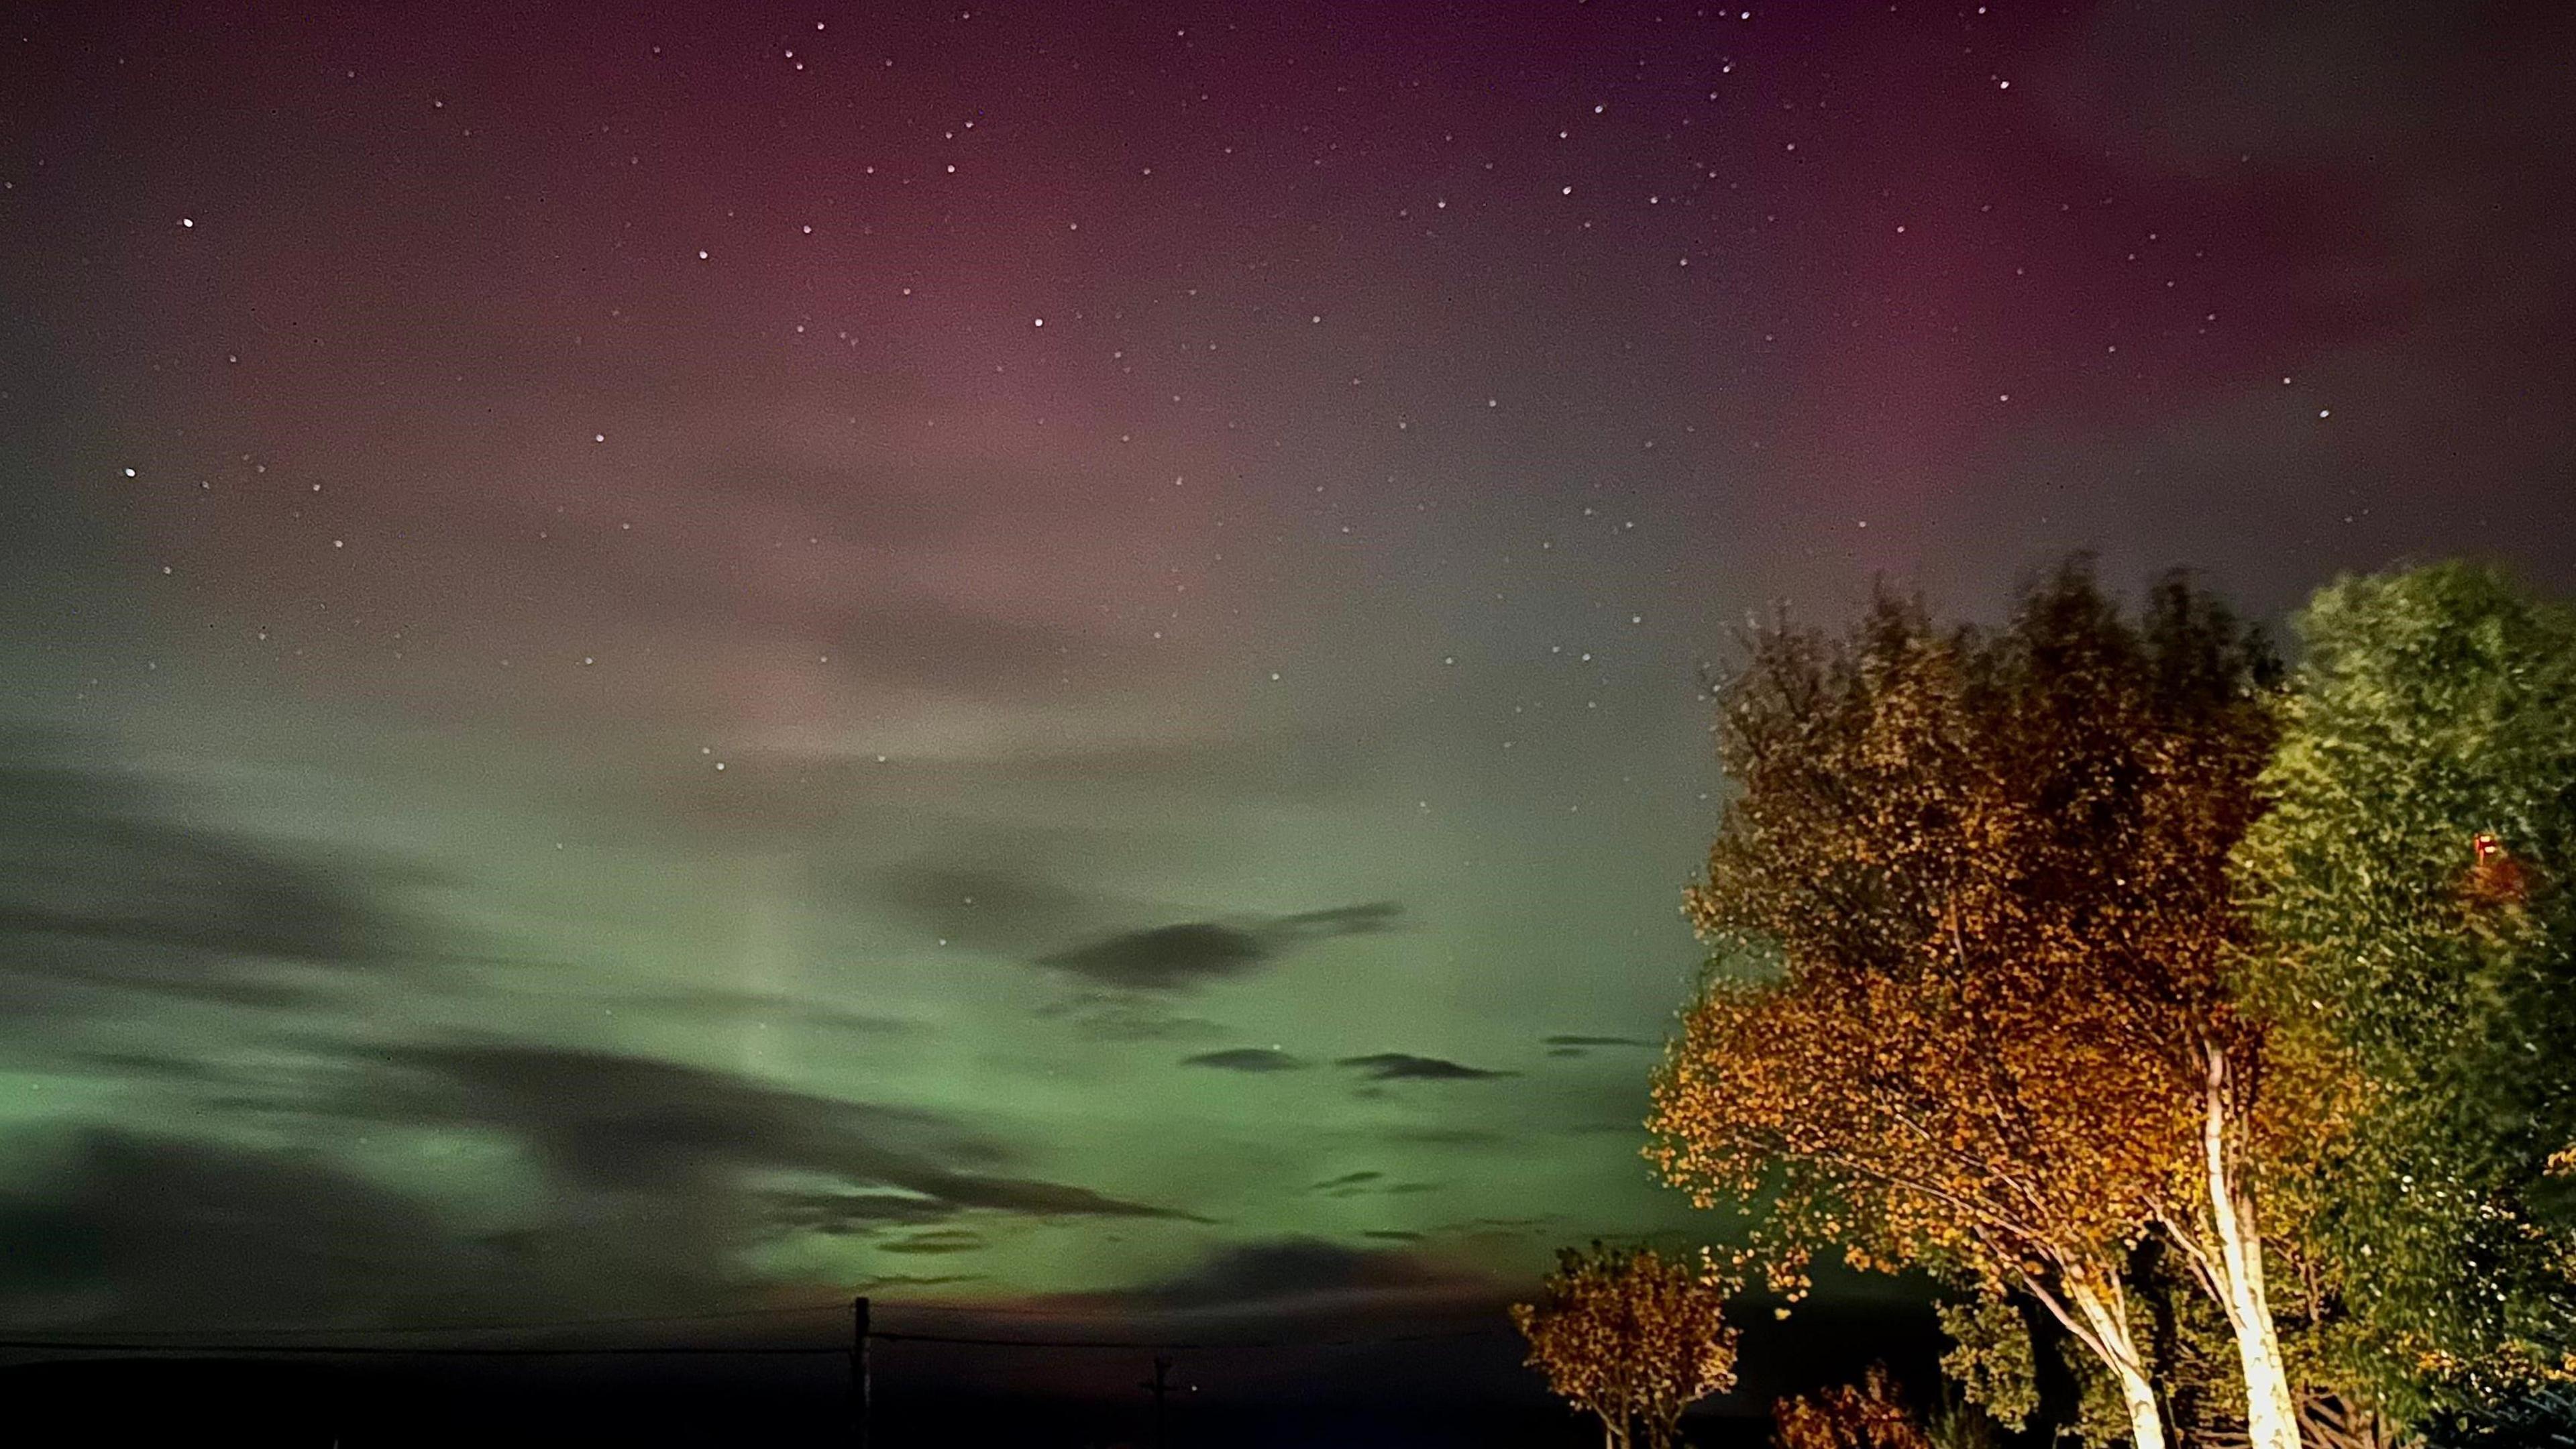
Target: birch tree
1983	875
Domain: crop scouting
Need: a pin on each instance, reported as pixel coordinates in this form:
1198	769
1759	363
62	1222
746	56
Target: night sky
670	658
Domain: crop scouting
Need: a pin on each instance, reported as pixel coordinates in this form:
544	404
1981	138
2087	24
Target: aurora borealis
674	658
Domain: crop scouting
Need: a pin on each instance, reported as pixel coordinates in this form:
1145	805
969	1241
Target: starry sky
670	658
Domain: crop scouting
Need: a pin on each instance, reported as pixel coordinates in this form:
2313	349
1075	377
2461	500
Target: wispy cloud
1369	1182
1166	958
1248	1059
115	893
1570	1044
1348	1179
1289	1270
601	1121
1406	1067
1187	954
935	1240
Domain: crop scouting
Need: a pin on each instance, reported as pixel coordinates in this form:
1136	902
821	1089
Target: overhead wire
1174	1345
400	1350
300	1341
145	1345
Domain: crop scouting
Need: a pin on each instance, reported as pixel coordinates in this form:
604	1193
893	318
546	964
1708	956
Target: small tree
1631	1338
1869	1415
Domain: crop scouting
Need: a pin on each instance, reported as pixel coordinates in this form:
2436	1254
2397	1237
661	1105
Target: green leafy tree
1994	1360
2411	887
1632	1338
1991	1358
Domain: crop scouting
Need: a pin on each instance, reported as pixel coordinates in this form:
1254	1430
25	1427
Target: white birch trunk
2117	1347
2271	1412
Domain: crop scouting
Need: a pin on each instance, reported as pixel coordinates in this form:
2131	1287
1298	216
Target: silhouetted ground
183	1402
1439	1396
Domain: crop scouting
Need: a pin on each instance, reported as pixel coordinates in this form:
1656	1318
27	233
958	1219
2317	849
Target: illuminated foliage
2411	885
1991	1359
1869	1415
1979	883
1994	1360
1631	1338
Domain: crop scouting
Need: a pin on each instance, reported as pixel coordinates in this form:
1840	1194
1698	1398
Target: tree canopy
1631	1337
2410	886
1971	922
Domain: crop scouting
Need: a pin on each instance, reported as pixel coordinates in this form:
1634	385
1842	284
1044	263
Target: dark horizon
1421	1382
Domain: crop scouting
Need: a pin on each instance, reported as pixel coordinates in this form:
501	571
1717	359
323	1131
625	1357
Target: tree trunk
2108	1335
2271	1412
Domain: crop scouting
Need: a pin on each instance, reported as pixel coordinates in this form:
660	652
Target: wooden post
1159	1386
860	1388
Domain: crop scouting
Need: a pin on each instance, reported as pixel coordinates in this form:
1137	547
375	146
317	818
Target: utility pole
1160	1385
859	1386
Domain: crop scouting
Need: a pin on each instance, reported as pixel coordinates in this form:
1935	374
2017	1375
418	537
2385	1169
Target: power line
1077	1311
406	1350
1176	1345
399	1350
548	1325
